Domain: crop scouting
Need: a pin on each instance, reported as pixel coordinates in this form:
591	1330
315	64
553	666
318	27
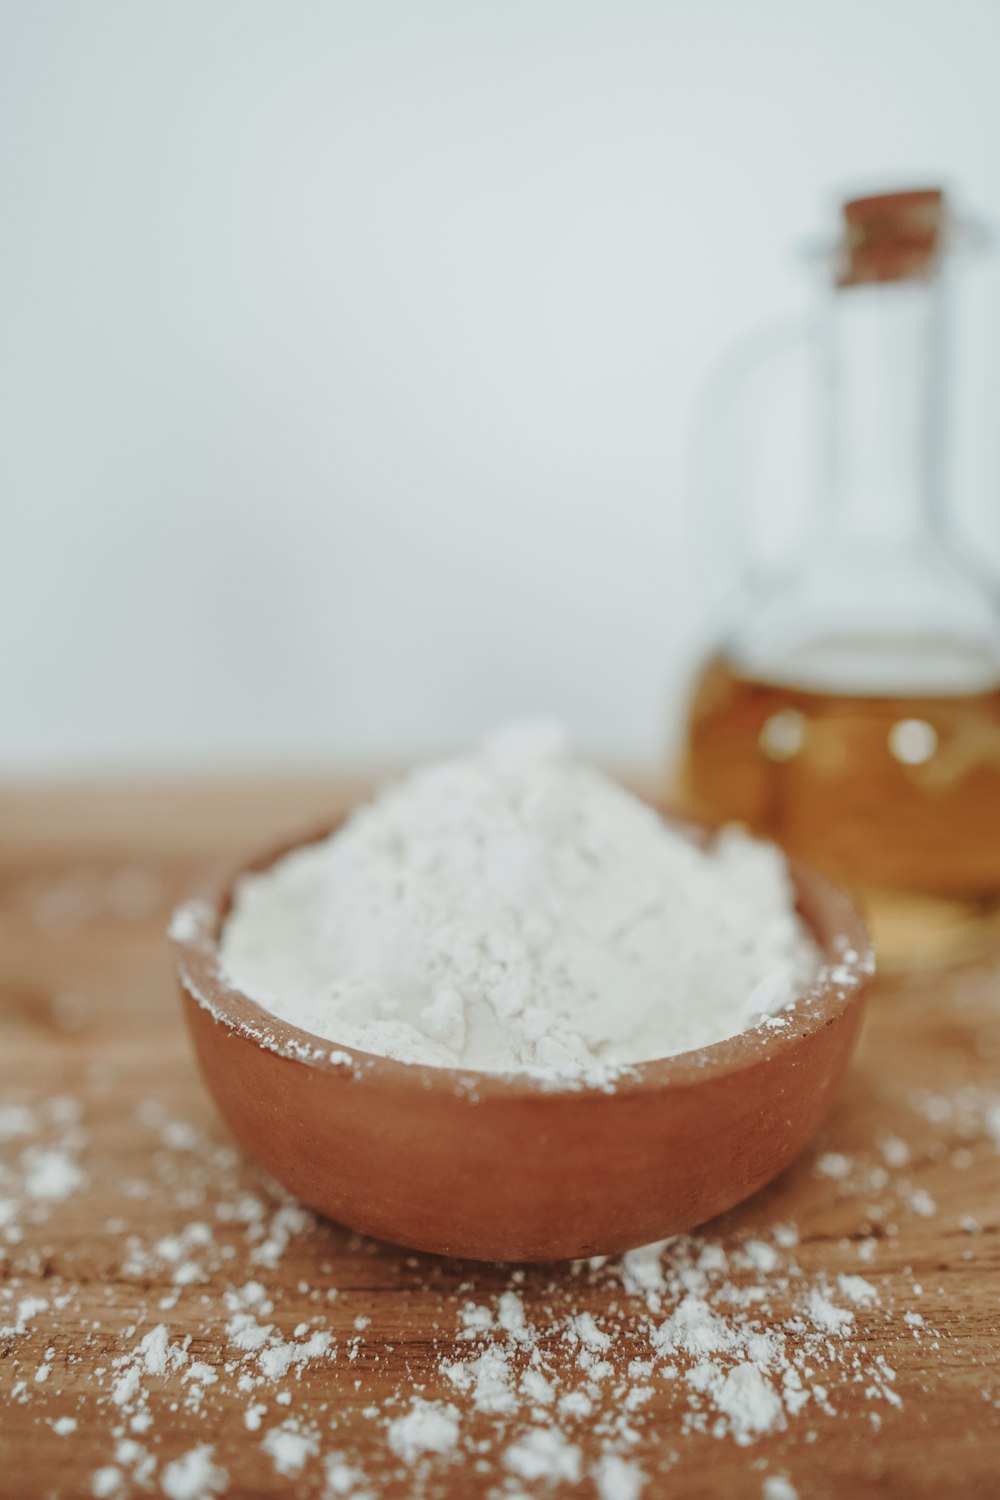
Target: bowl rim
849	963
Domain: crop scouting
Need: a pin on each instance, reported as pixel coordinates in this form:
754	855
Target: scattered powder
474	1320
52	1174
922	1203
825	1315
720	1335
584	1328
544	1453
107	1480
153	1350
289	1449
15	1119
516	909
133	1455
617	1479
345	1479
856	1289
488	1379
428	1427
834	1164
749	1400
27	1310
776	1487
194	1477
125	1387
895	1151
762	1256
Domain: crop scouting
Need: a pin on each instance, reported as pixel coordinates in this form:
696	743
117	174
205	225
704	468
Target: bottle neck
883	363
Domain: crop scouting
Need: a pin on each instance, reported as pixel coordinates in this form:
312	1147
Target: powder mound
516	909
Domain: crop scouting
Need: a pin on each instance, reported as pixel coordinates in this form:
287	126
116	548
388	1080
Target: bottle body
895	791
852	711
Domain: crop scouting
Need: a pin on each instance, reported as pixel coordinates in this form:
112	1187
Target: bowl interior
826	909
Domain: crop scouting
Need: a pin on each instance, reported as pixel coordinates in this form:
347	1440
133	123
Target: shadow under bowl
497	1166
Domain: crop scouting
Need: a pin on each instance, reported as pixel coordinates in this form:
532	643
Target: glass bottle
852	711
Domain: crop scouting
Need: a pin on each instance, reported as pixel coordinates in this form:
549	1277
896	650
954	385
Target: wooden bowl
503	1166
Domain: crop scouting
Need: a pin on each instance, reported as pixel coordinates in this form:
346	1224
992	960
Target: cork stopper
893	237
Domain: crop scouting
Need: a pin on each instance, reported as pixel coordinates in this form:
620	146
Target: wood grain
88	1014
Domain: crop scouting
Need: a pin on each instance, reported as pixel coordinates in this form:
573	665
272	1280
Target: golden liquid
886	794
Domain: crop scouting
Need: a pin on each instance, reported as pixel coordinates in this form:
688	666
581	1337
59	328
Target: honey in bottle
853	710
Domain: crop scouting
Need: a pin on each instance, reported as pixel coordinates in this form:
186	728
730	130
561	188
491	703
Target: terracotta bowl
501	1166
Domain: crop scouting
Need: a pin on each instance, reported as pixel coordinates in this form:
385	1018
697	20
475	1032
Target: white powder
750	1402
776	1487
153	1350
489	1380
825	1315
618	1479
895	1151
141	1462
761	1256
731	1334
428	1427
345	1479
52	1174
922	1203
125	1387
544	1453
516	909
586	1330
27	1309
194	1477
834	1164
15	1119
288	1449
857	1289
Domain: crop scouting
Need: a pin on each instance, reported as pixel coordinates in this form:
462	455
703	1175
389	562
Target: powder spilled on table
547	1375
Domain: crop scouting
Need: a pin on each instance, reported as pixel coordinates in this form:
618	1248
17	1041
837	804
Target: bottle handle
728	520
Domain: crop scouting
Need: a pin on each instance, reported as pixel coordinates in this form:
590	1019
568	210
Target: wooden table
126	1208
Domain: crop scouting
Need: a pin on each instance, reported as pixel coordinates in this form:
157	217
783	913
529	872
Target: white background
349	353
